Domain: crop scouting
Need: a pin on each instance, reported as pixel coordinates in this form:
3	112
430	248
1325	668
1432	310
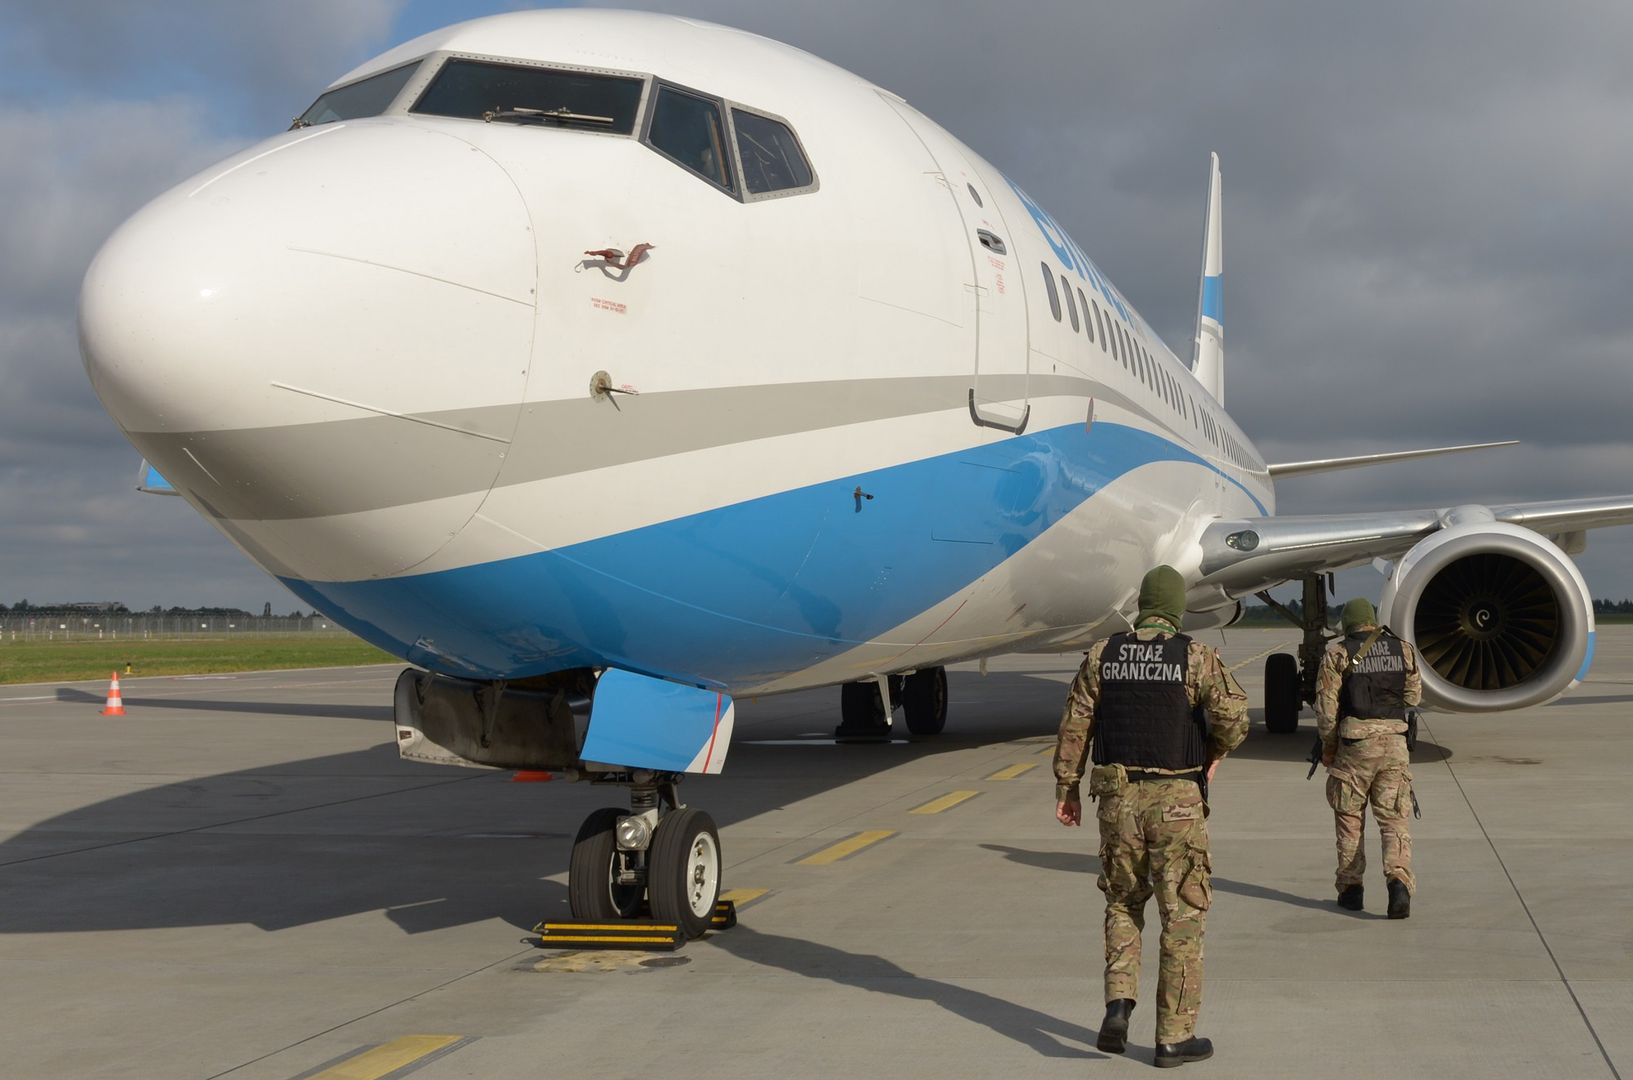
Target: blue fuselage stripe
743	594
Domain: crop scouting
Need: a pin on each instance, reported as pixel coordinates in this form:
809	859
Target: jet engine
1499	614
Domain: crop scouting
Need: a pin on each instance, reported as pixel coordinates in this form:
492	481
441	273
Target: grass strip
78	659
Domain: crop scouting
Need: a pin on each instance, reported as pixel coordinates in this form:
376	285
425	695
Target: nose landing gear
658	856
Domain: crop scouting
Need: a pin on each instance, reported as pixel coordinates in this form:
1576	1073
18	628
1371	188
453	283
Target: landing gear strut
1290	682
657	854
922	695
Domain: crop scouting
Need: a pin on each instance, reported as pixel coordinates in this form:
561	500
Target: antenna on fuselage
1208	359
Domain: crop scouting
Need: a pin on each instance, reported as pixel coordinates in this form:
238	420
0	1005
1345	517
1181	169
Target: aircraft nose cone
337	322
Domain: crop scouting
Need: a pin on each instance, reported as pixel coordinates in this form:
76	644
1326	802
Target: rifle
1314	759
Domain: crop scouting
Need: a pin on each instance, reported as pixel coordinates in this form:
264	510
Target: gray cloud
252	65
1426	218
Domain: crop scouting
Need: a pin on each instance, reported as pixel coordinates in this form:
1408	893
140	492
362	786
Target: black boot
1170	1055
1400	900
1349	897
1114	1028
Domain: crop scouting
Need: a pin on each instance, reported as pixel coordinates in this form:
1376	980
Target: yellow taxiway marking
1050	749
1010	772
946	802
743	897
845	848
387	1058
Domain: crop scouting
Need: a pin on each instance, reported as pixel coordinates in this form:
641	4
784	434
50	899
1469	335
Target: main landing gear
1289	681
658	856
921	694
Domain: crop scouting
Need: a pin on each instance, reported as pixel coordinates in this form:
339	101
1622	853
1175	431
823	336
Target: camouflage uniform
1369	762
1153	838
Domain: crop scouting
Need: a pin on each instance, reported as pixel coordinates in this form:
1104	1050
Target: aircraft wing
1245	555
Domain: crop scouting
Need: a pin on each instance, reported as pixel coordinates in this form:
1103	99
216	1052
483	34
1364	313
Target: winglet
149	482
1208	359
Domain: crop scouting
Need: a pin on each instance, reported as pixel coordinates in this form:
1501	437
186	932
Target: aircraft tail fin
1208	359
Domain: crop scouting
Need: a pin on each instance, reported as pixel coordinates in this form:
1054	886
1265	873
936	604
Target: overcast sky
1429	223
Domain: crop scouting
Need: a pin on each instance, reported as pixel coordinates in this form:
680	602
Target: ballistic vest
1143	717
1373	688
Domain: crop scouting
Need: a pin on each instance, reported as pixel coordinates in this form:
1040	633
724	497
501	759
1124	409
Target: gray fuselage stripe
375	462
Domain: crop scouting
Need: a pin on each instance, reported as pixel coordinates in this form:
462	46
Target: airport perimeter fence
57	626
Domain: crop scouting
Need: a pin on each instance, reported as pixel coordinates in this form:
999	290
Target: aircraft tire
591	892
683	871
924	701
1281	693
860	707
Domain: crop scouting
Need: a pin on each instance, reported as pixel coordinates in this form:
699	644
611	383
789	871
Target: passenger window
1054	296
687	129
1105	344
1088	323
1117	347
368	97
515	93
771	155
1071	308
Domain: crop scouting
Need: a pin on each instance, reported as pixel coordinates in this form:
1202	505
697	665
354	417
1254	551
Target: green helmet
1358	613
1162	596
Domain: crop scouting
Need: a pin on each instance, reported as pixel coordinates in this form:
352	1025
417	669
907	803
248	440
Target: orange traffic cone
115	706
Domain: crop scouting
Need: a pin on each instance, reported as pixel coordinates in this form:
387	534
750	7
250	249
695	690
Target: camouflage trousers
1376	770
1153	839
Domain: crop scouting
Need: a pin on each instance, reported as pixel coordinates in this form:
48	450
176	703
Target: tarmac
240	878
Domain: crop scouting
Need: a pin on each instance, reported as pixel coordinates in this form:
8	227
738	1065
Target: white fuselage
365	350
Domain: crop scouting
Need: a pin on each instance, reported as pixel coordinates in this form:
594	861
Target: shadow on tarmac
1048	1035
321	838
1074	862
1602	699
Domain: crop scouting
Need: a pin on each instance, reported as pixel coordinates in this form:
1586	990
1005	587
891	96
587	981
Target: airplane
609	366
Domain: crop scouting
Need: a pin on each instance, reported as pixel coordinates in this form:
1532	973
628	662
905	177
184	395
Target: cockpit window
519	94
690	130
367	97
772	160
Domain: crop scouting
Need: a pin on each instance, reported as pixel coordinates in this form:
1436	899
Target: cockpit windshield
515	93
367	97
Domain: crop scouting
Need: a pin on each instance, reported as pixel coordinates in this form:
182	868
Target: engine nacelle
1500	616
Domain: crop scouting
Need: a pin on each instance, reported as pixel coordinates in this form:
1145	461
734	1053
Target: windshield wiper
561	115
